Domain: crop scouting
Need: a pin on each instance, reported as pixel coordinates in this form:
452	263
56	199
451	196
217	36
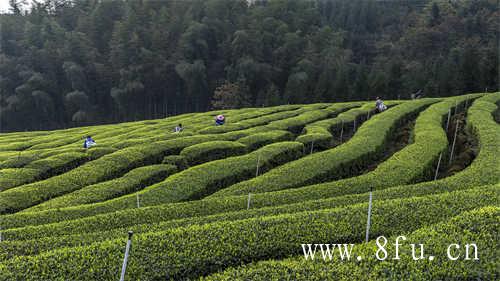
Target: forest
66	63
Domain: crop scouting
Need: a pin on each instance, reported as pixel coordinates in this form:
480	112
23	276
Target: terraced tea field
237	201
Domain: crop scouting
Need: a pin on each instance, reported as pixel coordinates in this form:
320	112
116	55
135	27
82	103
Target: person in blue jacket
88	142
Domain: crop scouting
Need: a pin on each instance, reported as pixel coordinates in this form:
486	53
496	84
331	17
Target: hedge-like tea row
414	163
44	168
199	250
482	171
252	122
203	179
479	226
179	161
105	168
214	150
132	181
32	240
296	123
319	132
291	111
257	140
20	161
367	144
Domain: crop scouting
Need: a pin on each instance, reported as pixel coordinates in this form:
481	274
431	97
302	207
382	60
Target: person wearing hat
379	105
88	142
219	120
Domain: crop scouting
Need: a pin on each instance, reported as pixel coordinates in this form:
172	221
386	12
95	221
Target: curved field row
412	164
188	181
29	195
476	225
256	154
259	238
366	144
481	124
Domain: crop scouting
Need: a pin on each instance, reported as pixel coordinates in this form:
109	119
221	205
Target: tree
231	95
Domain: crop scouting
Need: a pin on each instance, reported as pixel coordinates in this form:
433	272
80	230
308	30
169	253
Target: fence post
448	121
354	125
125	259
437	168
257	170
248	201
369	216
453	145
341	131
137	197
312	147
368	115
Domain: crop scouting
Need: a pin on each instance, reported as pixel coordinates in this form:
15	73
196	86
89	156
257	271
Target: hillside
237	201
67	63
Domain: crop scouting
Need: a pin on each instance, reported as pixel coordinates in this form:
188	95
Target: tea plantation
237	201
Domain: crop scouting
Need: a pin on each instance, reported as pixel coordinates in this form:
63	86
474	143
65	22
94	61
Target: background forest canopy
79	62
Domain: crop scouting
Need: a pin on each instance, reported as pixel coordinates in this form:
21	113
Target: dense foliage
235	202
73	62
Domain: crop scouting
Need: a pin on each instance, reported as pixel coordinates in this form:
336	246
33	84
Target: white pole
448	121
137	197
248	201
453	145
369	216
257	170
341	131
437	168
368	115
312	146
125	259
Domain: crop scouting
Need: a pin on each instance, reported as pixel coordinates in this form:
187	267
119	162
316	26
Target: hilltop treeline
71	62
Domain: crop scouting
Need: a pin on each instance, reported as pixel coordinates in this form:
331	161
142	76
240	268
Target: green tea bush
254	141
132	181
476	226
199	250
365	146
481	171
203	179
179	161
214	150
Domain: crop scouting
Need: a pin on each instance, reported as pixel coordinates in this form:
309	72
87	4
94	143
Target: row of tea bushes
366	145
200	250
479	226
47	167
132	181
478	173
